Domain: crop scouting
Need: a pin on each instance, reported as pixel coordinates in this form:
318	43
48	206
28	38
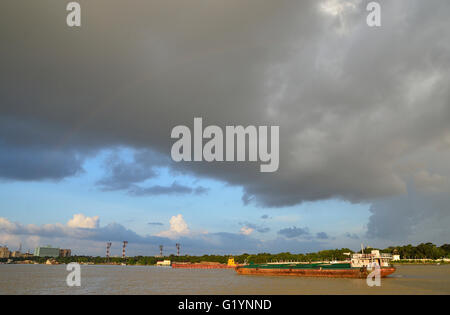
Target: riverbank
428	262
425	253
152	261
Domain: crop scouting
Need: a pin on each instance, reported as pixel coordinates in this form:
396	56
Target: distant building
46	251
395	257
27	255
4	252
16	254
65	253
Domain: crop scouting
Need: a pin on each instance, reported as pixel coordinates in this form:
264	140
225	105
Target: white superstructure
367	260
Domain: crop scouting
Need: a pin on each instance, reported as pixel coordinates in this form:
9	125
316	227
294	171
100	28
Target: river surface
48	279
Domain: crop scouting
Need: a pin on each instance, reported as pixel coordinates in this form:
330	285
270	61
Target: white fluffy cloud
82	221
178	227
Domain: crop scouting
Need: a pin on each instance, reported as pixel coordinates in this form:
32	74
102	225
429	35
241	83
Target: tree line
421	251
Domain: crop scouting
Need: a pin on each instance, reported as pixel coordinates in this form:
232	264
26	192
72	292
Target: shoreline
427	263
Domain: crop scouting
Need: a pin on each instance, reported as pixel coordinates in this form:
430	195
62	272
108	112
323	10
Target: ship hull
325	273
201	266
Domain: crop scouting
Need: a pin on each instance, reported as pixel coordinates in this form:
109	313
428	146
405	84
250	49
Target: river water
48	279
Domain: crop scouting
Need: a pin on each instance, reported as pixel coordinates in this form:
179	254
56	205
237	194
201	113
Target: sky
86	115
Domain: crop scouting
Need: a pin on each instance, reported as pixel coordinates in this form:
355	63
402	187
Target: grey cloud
322	236
123	175
256	227
294	232
200	190
117	232
353	104
265	217
155	223
353	236
263	230
412	218
247	198
174	189
28	164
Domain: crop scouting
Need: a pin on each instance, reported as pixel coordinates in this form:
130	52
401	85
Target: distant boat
163	263
206	265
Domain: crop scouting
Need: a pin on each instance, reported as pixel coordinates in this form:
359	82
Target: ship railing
362	256
370	256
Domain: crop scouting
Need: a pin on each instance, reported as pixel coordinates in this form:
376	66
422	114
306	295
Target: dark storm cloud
294	232
122	175
412	218
354	104
22	163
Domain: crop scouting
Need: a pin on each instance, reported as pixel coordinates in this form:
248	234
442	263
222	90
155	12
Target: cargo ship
360	266
206	265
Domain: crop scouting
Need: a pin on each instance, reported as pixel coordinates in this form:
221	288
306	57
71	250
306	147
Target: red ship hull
327	273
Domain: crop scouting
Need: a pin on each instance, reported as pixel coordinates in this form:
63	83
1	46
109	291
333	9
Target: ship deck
299	266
